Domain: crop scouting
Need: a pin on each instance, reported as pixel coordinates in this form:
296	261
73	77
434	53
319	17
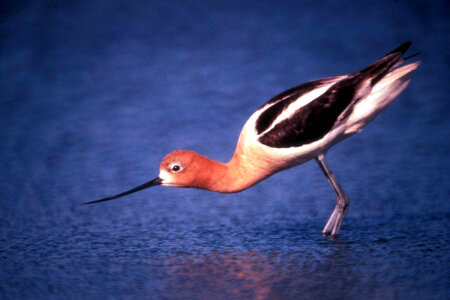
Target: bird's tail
385	88
381	67
396	76
367	81
382	94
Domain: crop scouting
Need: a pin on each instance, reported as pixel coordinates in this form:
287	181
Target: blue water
95	93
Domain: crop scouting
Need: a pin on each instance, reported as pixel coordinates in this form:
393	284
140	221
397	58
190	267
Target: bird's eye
176	168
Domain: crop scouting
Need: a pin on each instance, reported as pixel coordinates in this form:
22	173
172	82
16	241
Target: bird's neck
234	176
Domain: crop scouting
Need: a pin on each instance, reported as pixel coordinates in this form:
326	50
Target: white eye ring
175	167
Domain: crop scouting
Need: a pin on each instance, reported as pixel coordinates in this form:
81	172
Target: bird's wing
275	106
313	120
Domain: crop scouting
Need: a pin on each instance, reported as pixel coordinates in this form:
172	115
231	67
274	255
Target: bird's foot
335	221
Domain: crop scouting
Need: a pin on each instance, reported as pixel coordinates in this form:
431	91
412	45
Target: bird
298	125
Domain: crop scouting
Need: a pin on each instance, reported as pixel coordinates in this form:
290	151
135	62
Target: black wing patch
283	100
312	121
315	119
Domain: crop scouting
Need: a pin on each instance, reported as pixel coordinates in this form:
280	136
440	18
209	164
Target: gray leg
342	201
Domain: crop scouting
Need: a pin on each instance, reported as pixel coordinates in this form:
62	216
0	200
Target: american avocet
293	127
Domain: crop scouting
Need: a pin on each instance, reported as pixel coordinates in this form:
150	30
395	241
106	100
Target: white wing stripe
302	101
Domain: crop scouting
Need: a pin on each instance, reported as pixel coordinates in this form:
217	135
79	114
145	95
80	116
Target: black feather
283	100
314	120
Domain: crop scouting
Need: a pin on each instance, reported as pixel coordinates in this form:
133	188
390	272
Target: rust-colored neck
236	175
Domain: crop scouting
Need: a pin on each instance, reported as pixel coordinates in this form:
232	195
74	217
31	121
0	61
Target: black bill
156	181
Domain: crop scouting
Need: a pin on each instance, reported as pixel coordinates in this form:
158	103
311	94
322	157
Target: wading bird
293	127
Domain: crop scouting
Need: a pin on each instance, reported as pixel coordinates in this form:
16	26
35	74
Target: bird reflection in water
251	275
225	275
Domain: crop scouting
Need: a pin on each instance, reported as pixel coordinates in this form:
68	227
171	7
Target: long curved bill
156	181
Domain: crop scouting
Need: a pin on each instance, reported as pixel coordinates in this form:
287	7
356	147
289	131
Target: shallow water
95	94
374	258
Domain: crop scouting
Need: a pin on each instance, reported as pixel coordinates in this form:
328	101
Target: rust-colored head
184	169
188	169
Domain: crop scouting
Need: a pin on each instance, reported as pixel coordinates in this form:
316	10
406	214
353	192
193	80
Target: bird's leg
342	201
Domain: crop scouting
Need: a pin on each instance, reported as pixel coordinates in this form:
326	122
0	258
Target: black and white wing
282	101
287	123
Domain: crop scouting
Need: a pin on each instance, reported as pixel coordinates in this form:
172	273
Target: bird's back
302	122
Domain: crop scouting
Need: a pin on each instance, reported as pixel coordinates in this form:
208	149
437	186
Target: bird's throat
232	177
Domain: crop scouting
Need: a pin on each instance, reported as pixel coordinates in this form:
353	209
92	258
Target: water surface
94	94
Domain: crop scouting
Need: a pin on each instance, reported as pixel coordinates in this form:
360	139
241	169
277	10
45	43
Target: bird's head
179	169
183	168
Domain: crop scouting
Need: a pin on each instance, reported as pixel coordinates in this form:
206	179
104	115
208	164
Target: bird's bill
156	181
